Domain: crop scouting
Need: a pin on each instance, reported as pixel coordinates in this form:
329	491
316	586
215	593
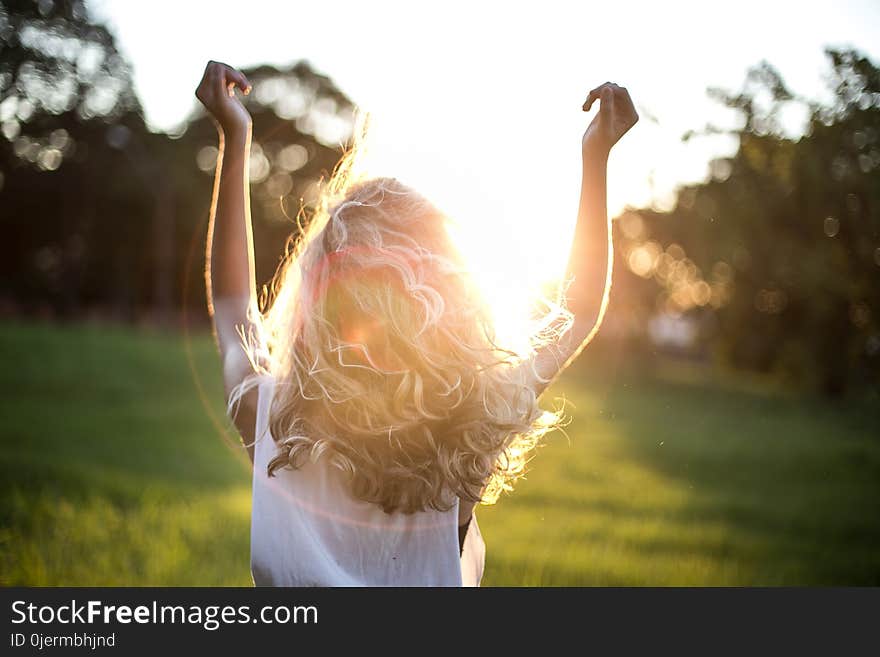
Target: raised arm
590	259
229	258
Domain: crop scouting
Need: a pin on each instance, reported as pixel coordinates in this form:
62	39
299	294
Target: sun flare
514	244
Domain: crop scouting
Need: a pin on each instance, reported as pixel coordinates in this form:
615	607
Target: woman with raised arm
373	400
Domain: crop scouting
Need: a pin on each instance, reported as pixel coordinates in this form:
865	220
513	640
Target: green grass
115	474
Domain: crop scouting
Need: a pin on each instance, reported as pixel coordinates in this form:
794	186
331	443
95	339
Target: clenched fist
616	116
216	92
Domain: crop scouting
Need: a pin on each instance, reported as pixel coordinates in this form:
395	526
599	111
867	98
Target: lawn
117	470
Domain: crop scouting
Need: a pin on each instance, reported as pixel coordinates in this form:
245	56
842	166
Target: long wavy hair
384	355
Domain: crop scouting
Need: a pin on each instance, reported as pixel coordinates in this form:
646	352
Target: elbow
589	308
587	319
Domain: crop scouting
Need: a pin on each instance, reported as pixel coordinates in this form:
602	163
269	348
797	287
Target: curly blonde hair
385	359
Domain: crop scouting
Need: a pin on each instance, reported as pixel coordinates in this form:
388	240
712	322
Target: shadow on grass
671	482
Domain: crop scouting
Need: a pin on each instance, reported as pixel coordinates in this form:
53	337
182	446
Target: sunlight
512	251
514	242
509	279
512	214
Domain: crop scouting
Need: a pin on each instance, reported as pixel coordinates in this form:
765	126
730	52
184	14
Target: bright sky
477	104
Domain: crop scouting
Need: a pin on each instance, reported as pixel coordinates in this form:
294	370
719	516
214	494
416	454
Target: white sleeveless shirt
308	530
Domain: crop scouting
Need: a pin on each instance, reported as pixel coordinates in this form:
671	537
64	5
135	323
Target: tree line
773	261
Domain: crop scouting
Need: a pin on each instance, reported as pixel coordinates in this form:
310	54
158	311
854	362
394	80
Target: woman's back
389	363
308	530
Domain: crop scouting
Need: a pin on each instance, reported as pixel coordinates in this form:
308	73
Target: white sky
477	104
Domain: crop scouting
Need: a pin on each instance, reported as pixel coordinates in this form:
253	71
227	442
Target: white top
308	530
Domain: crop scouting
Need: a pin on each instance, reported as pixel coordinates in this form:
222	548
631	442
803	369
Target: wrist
594	150
237	135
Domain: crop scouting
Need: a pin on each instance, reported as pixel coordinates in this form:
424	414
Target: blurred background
725	425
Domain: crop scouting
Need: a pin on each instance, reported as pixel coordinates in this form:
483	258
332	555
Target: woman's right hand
216	92
616	116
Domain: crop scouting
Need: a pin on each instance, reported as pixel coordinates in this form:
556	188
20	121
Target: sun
510	270
515	244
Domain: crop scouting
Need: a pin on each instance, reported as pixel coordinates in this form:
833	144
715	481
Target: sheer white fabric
308	530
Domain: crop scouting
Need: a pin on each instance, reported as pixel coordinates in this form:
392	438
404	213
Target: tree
66	100
782	244
102	213
301	122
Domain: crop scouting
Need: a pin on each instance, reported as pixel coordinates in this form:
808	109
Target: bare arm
591	250
588	295
590	259
229	257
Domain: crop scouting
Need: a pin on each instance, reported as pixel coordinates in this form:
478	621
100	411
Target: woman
374	403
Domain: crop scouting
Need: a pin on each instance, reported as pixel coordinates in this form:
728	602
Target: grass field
113	473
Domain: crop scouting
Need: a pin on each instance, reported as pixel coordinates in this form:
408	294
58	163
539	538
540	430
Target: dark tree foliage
781	246
56	60
301	121
65	91
103	215
777	255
